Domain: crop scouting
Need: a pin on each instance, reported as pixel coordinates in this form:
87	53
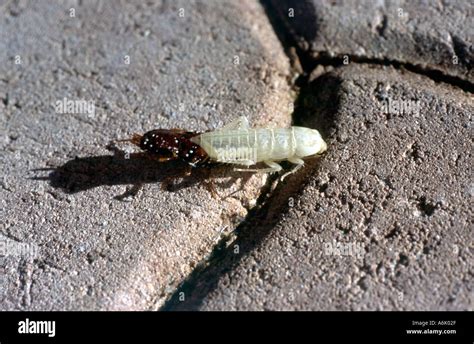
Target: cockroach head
308	142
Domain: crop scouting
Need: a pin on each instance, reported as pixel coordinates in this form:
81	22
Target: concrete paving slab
434	35
127	67
383	221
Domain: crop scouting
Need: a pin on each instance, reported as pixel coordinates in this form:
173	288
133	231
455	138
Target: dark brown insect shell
170	144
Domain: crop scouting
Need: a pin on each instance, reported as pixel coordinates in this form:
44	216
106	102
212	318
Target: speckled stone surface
436	35
383	221
192	65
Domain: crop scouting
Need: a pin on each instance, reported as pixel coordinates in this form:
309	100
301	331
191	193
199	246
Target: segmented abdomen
248	145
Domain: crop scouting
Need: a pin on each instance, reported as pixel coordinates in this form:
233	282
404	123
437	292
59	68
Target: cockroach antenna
236	143
135	139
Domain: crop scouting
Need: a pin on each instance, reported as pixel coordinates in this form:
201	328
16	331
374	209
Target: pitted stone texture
164	64
385	219
431	34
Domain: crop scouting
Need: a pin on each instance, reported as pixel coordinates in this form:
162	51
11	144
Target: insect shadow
136	169
317	106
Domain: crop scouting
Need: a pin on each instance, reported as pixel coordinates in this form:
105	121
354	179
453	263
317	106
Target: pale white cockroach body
237	143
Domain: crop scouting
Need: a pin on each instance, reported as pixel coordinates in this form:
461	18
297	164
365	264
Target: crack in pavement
433	74
260	221
309	63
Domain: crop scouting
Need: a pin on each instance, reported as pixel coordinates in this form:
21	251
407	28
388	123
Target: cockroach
171	144
236	143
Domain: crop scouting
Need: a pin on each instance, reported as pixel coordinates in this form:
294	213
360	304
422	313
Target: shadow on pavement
137	169
315	107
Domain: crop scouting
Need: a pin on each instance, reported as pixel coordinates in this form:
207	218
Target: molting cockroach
171	144
235	143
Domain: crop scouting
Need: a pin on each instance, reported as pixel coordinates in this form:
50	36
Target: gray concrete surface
69	243
383	221
434	35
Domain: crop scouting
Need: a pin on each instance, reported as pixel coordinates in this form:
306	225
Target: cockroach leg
167	181
211	187
273	167
208	181
298	164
